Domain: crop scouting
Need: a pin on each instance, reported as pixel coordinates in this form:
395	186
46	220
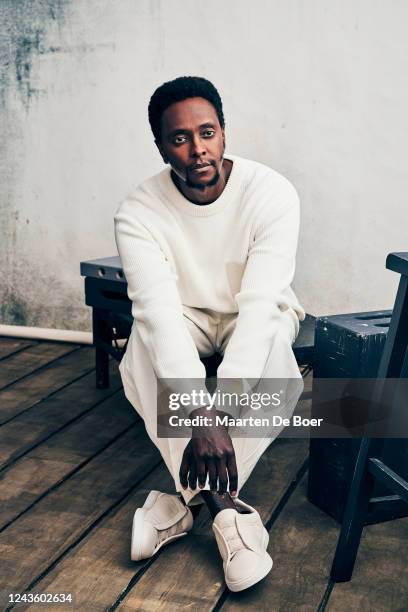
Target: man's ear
162	153
223	137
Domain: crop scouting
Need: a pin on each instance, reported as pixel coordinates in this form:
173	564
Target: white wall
317	89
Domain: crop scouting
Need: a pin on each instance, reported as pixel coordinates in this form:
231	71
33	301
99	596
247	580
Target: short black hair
180	89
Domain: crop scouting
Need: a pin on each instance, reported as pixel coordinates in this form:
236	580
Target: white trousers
210	333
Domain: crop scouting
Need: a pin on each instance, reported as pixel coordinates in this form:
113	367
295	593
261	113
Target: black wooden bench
106	293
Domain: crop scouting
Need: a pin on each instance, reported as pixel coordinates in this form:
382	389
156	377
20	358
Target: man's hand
210	451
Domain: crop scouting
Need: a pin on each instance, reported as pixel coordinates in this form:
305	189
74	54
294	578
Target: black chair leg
101	334
354	518
369	467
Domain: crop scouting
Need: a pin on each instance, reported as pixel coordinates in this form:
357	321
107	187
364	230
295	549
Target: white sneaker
242	541
162	519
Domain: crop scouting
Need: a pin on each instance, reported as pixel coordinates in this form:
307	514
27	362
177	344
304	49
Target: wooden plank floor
75	462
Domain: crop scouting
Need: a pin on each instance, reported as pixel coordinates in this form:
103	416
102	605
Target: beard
200	186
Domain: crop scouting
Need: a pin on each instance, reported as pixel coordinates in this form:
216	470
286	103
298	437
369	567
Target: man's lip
198	166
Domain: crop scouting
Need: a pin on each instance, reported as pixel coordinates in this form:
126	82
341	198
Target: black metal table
106	293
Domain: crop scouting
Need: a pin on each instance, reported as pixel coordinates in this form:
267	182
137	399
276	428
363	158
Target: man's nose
197	147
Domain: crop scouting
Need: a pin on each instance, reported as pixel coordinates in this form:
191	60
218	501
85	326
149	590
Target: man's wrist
203	411
209	419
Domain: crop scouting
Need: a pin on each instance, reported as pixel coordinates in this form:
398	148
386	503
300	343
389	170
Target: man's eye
209	133
179	139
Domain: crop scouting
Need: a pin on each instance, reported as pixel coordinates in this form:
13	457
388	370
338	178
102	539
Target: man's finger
232	474
222	476
184	471
201	473
192	477
212	474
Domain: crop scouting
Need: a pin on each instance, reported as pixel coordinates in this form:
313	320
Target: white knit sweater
236	254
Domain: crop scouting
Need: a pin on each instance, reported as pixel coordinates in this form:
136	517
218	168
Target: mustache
201	165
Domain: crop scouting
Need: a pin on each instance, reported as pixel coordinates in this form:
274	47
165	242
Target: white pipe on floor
43	333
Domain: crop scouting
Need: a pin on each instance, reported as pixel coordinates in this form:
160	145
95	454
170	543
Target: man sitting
208	248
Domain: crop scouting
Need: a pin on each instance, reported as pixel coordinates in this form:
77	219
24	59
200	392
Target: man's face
193	142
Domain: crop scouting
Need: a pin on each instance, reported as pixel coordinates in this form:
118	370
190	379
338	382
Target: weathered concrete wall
316	89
